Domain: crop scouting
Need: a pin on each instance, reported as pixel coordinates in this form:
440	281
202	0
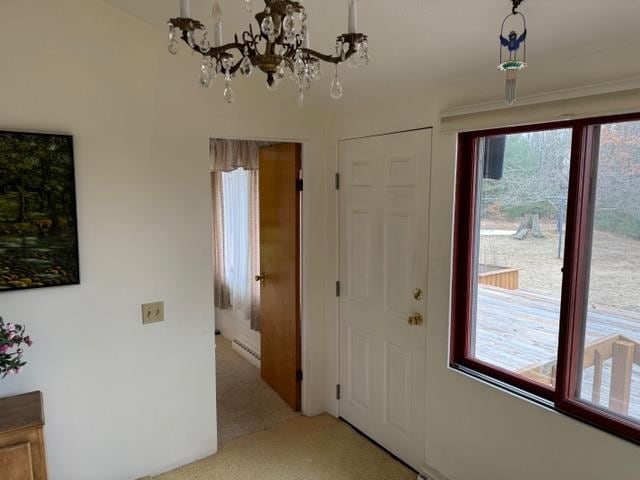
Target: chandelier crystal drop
173	42
336	86
279	47
229	95
206	74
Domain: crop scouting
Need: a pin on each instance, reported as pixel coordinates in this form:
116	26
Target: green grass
544	209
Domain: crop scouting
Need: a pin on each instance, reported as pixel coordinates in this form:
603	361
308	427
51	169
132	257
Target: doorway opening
256	195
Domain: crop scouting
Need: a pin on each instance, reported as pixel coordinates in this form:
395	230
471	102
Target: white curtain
235	166
237	258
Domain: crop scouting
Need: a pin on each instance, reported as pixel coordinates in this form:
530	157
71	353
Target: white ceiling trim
554	96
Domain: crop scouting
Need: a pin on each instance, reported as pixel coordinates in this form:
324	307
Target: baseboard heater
246	351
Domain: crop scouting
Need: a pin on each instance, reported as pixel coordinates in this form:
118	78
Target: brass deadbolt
416	319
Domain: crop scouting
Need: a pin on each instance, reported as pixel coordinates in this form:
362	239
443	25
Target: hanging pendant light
513	50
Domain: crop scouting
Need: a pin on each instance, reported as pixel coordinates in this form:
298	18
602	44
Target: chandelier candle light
280	48
511	47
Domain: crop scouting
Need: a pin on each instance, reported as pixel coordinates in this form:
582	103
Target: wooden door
280	270
22	449
383	274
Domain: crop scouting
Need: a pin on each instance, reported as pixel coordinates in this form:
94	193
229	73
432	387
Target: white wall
475	431
123	400
234	324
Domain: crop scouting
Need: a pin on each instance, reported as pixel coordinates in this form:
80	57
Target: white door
383	275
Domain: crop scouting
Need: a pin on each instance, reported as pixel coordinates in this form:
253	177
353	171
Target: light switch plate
152	313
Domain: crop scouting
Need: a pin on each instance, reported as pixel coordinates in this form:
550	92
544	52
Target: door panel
398	271
280	266
358	385
383	261
360	254
16	462
397	412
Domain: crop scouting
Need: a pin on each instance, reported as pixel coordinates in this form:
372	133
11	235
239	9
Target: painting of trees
38	235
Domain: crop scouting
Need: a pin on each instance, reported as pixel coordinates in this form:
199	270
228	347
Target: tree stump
535	226
523	229
530	223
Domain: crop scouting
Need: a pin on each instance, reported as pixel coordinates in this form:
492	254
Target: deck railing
624	354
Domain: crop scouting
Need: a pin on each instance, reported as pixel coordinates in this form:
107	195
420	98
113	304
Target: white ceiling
428	43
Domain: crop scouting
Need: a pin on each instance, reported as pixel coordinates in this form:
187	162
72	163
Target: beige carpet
245	402
302	448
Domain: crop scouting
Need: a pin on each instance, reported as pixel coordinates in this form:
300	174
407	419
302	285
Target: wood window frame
576	269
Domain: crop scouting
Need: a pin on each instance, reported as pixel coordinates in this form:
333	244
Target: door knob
415	319
260	278
417	294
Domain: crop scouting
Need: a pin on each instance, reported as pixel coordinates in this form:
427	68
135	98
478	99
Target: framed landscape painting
38	223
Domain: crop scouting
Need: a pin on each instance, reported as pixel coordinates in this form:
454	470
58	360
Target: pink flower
4	348
17	370
11	327
12	335
28	341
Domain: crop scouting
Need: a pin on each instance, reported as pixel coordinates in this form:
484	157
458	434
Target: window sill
531	398
499	385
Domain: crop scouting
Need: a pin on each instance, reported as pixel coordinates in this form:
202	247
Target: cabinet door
16	462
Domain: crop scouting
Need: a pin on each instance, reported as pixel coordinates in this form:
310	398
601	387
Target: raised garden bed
501	277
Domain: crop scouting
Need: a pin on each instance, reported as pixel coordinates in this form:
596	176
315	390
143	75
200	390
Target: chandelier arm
322	56
218	51
331	58
351	39
290	51
234	68
250	40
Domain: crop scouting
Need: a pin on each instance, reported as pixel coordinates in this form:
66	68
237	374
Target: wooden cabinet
22	454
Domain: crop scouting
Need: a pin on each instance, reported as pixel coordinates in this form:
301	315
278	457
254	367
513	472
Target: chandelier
279	47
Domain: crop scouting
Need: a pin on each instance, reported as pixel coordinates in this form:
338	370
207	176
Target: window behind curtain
236	190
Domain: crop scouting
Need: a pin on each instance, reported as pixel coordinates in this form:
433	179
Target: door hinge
337	288
299	184
299	375
337	181
338	392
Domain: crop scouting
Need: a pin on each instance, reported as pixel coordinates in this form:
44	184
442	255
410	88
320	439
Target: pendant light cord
516	4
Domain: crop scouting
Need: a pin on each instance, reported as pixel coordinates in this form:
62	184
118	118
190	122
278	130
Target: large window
546	280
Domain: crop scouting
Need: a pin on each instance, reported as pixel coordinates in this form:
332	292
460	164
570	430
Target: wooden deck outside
518	330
